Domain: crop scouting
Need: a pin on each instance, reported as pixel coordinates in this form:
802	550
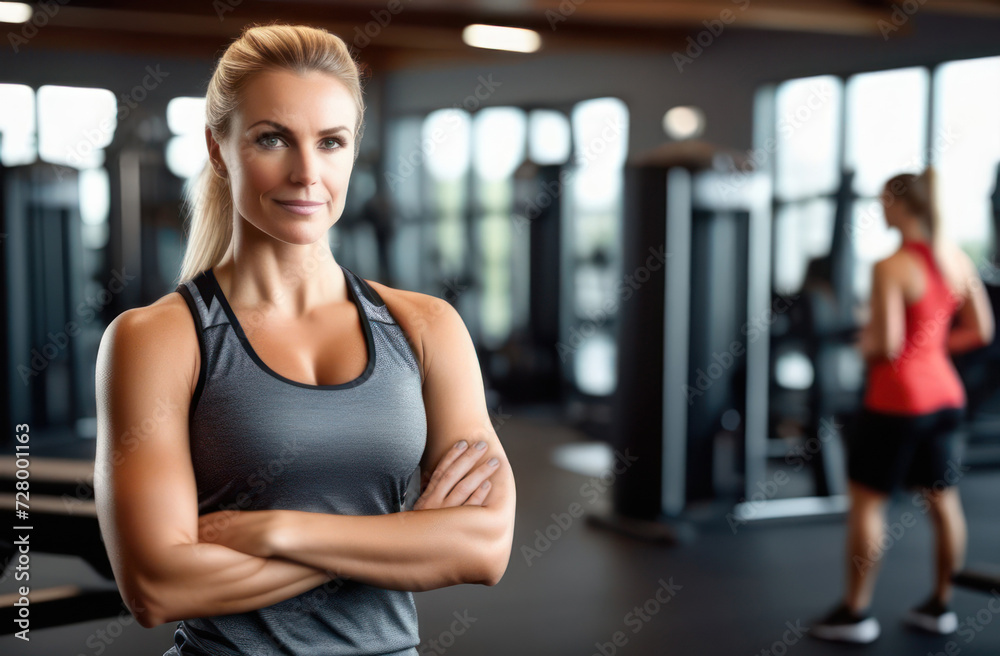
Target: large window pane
873	241
886	126
75	124
499	142
593	226
803	232
966	148
549	140
445	141
17	124
807	137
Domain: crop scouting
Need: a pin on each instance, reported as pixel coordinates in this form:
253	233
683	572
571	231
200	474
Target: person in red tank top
921	377
927	301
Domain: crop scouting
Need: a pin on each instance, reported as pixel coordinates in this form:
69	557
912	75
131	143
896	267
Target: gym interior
658	222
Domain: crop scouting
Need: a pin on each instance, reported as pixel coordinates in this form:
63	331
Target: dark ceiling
414	32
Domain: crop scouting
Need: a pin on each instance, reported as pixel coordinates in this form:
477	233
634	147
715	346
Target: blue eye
267	136
331	143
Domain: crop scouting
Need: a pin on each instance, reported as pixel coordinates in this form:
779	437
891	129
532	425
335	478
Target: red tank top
922	378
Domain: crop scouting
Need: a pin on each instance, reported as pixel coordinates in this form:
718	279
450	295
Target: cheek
338	178
261	174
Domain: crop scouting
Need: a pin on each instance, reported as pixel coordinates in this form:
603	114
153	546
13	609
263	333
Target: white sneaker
934	617
843	625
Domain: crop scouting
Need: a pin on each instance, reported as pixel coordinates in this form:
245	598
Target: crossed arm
171	564
458	531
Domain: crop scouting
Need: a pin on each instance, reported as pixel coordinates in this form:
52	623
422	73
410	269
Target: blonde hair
919	194
297	48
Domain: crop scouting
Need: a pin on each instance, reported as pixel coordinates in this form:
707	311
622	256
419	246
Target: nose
305	167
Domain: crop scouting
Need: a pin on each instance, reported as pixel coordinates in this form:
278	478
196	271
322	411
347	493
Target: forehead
307	103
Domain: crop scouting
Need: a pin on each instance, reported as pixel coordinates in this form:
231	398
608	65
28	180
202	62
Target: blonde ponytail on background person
297	48
920	195
931	215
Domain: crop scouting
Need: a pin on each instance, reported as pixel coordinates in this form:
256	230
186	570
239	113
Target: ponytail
211	225
919	193
931	212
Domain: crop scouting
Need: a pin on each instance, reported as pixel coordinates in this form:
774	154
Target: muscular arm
883	336
145	487
430	548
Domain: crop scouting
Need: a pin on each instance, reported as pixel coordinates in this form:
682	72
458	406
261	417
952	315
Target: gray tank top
262	441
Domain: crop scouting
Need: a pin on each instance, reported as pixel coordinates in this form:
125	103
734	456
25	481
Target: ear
215	154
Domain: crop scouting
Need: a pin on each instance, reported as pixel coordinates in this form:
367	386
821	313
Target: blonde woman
259	426
927	302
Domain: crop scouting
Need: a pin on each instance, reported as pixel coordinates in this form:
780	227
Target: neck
912	231
285	279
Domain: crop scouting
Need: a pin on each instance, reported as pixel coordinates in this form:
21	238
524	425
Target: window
498	144
965	146
17	124
593	238
884	120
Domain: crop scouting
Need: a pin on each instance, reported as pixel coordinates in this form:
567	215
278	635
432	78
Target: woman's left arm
411	550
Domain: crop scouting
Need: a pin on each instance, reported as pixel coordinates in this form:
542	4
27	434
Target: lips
300	206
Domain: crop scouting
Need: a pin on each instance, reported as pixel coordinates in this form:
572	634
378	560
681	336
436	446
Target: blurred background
658	220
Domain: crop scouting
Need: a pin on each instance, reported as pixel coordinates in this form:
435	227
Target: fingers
453	466
479	495
437	486
451	483
471	483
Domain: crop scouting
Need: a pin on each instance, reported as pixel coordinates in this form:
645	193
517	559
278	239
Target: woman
914	400
258	428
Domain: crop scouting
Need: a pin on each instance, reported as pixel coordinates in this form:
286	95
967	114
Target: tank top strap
372	303
926	254
199	293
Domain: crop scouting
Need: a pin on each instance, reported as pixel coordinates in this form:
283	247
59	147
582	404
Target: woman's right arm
974	326
147	500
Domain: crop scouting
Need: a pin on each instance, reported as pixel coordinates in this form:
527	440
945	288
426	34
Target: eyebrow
279	126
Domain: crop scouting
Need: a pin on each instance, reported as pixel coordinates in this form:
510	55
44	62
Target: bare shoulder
960	270
161	334
426	319
899	265
958	260
167	318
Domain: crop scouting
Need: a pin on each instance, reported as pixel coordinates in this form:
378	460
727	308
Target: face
291	141
892	207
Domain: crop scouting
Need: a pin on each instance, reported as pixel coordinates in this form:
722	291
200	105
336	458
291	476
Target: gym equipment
984	578
687	326
63	517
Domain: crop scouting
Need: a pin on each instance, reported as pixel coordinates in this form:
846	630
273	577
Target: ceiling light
684	123
14	12
501	38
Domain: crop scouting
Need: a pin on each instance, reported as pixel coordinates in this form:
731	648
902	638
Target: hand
249	531
865	343
452	484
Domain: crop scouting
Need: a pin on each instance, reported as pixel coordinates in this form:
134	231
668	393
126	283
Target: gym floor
754	591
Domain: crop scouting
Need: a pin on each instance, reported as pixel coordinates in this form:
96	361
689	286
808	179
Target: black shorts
886	451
